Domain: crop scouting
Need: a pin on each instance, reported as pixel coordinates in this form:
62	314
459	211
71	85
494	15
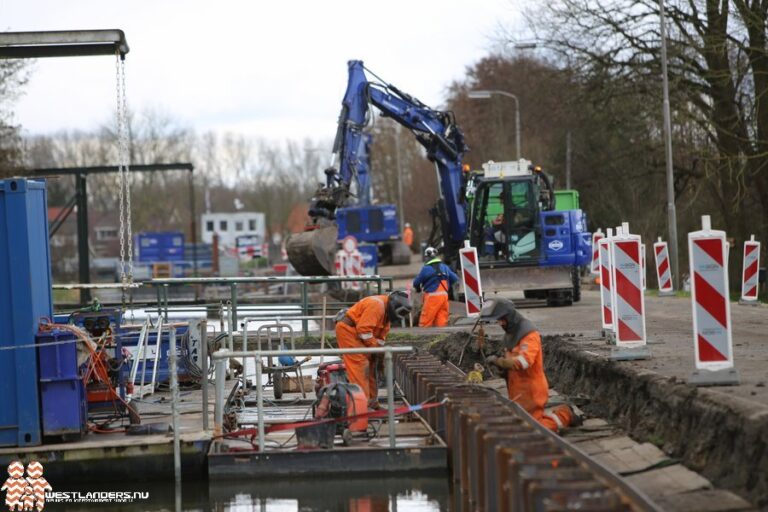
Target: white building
230	226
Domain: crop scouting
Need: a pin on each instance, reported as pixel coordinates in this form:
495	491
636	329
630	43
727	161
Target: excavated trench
720	437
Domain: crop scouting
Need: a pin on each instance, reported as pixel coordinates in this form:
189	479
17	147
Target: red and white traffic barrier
470	272
628	298
663	270
604	255
594	266
749	274
713	343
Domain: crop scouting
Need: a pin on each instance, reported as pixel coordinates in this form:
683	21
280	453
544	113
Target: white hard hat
407	224
430	252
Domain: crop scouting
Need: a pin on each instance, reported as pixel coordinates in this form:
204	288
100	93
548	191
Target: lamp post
671	212
486	94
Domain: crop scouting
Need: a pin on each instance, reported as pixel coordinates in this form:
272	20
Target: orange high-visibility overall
527	385
369	317
434	312
408	237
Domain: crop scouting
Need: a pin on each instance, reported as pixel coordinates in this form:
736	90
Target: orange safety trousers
554	419
359	369
434	312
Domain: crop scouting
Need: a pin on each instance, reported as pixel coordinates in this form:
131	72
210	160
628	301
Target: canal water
299	494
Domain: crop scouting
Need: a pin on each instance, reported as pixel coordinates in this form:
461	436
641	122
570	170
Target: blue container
64	408
160	246
57	354
62	394
25	298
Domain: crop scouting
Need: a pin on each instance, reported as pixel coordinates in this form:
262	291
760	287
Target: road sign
604	256
663	271
470	271
713	344
628	297
749	274
594	267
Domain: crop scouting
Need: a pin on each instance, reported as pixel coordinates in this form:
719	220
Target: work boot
577	418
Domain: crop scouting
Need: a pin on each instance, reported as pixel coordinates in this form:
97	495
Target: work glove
492	360
380	343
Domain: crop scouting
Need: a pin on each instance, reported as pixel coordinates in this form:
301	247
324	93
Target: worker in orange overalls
524	362
408	235
366	324
434	279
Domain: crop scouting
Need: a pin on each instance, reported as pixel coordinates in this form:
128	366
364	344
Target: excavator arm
310	252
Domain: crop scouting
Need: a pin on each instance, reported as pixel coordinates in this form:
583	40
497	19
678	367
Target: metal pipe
226	354
304	308
233	298
175	406
204	367
218	408
165	296
245	349
267	279
260	403
390	398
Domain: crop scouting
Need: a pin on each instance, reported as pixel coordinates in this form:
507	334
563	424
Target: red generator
339	400
330	373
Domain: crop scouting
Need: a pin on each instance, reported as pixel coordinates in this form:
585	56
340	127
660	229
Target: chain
120	177
123	172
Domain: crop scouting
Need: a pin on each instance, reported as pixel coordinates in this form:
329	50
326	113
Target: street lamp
671	212
486	94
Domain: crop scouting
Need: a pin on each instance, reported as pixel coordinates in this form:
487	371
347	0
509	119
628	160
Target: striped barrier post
749	273
663	271
470	272
712	341
594	266
606	308
628	297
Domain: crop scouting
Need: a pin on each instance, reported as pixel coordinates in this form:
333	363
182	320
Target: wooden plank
714	500
668	481
632	459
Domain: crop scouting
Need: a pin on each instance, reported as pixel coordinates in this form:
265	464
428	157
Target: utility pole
568	160
671	212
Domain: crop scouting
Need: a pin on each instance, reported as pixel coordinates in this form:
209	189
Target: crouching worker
524	363
435	279
366	324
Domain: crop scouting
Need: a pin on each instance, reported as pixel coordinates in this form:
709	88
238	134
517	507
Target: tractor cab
505	223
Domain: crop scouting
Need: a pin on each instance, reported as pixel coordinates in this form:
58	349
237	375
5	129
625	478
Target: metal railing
220	357
163	284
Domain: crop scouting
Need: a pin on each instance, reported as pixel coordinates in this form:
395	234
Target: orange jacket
528	386
370	318
408	236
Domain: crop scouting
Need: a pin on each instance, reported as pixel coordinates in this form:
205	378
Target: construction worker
366	324
434	279
408	235
523	360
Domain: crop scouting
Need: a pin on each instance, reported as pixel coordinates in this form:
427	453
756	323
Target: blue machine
25	298
160	246
130	340
526	254
62	394
370	259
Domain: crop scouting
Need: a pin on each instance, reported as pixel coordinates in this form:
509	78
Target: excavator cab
504	225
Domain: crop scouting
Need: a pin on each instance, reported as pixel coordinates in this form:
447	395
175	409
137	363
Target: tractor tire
277	385
576	284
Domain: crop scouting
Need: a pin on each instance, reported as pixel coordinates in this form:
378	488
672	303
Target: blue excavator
507	210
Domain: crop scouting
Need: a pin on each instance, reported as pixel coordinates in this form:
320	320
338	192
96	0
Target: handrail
220	357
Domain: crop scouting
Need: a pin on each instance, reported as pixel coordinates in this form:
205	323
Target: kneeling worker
366	324
435	278
523	360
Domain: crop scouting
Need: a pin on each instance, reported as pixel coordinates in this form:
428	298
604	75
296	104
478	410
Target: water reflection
296	495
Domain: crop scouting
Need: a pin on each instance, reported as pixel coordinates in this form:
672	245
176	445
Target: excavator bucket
312	253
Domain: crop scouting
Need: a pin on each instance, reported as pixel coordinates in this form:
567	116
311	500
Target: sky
268	68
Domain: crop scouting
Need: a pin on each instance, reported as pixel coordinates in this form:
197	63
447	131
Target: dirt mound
464	349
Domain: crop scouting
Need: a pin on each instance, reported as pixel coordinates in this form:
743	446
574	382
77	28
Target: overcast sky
274	68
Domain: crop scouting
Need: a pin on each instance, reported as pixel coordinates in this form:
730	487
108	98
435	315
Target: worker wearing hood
523	360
